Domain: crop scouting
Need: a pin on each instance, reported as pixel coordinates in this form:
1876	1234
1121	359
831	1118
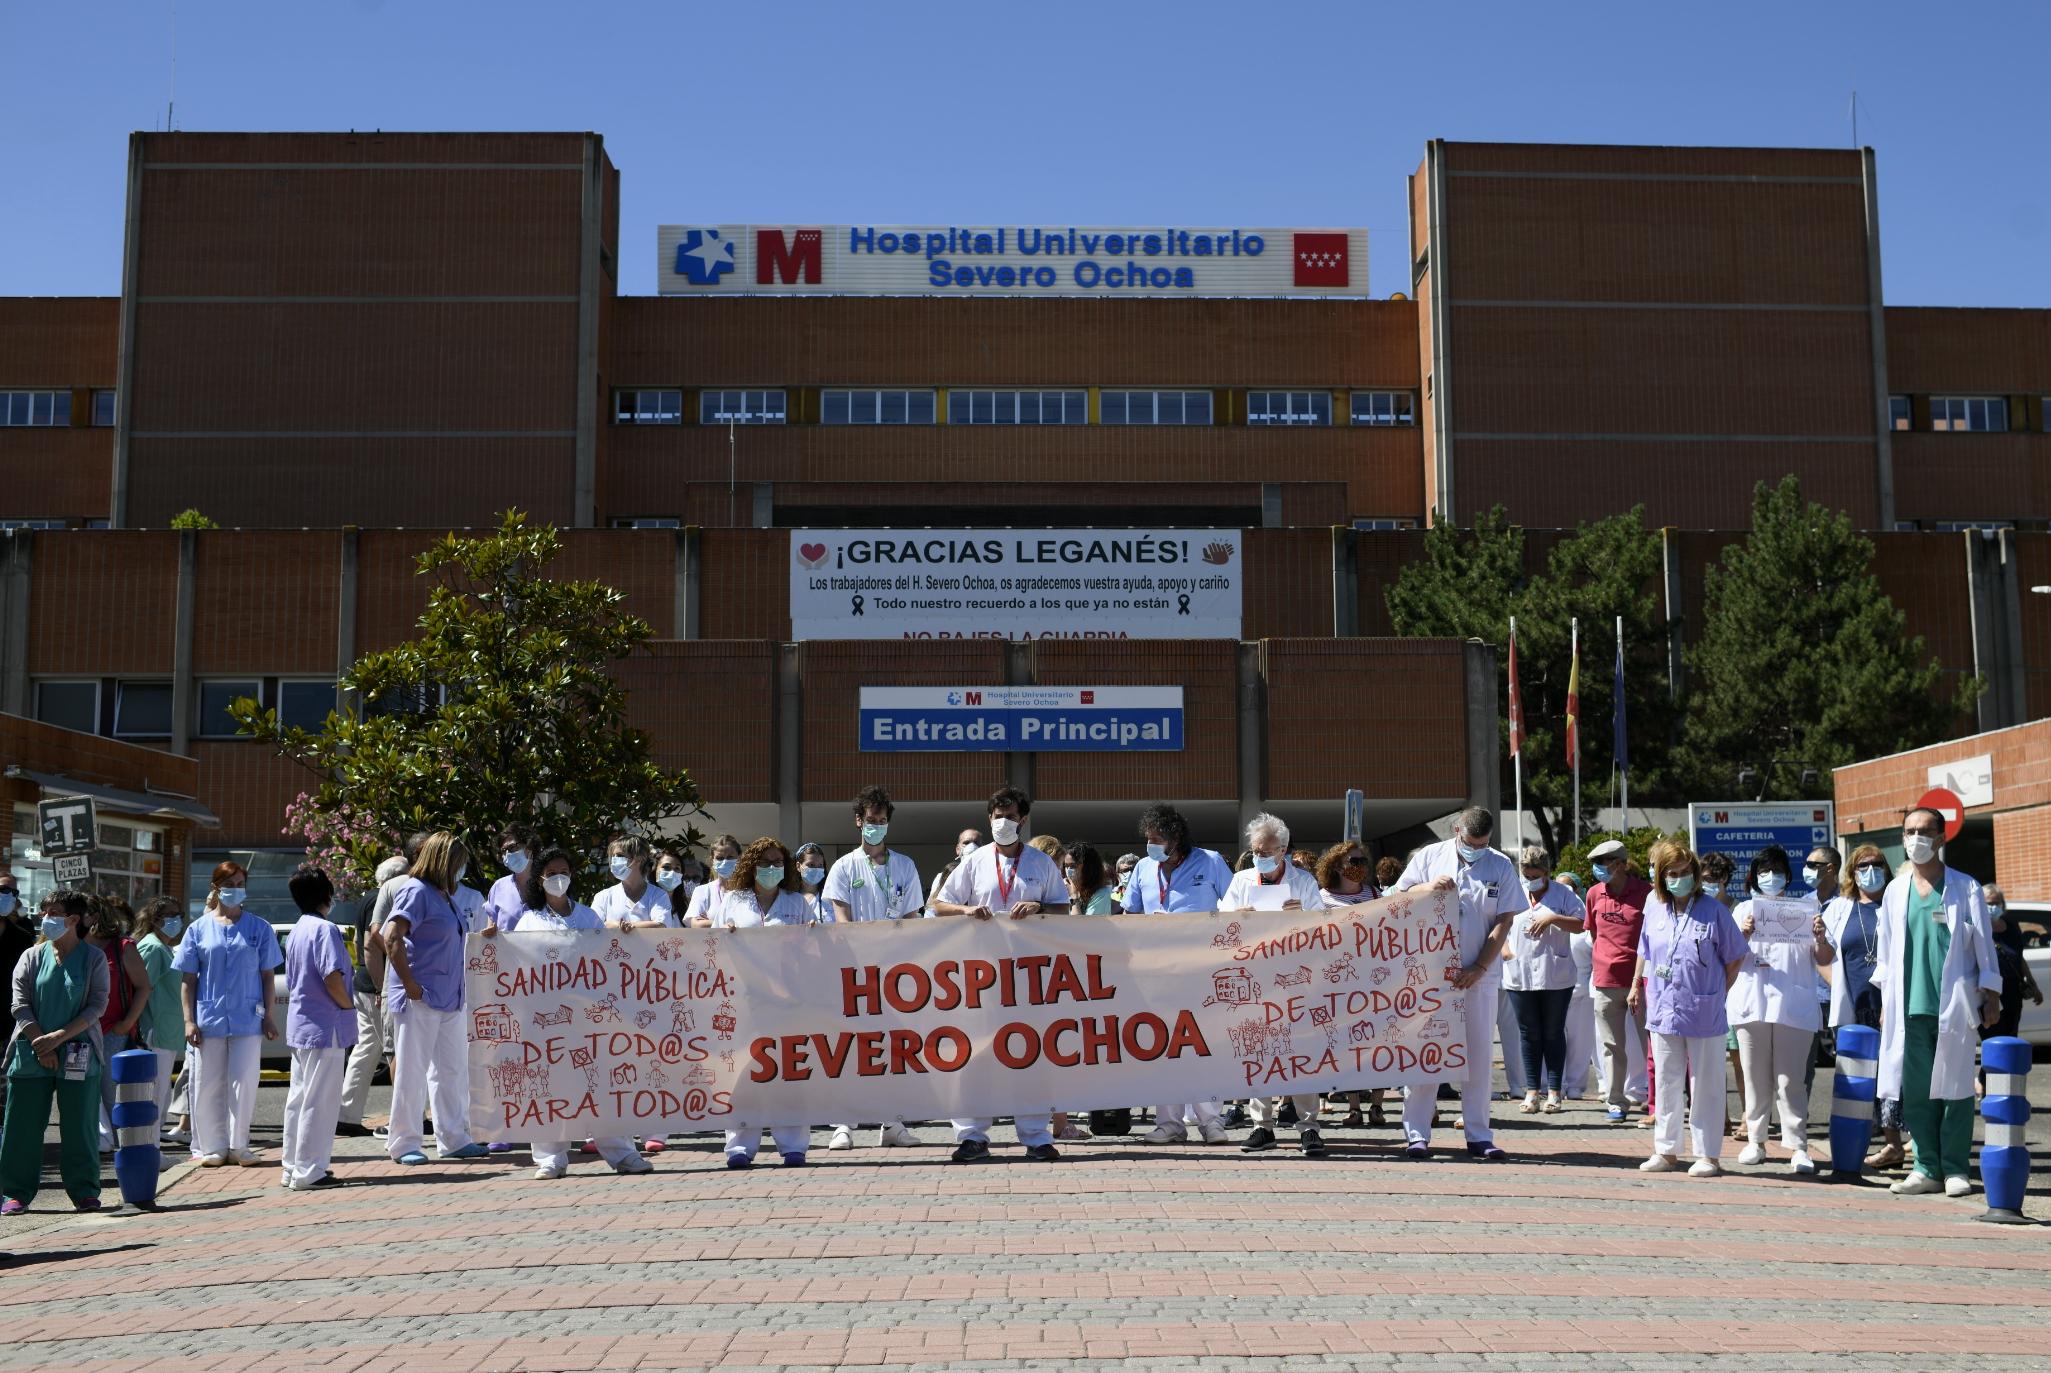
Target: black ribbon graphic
858	603
1182	604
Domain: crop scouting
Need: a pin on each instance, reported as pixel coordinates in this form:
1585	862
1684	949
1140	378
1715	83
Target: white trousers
790	1139
1580	1044
1476	1086
1677	1059
1032	1130
1513	1042
1266	1109
430	1057
312	1105
1775	1061
1189	1115
165	1059
222	1093
555	1153
372	1039
1616	1025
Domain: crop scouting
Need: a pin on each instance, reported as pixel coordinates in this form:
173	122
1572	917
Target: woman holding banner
765	891
1773	1008
546	904
1689	950
726	856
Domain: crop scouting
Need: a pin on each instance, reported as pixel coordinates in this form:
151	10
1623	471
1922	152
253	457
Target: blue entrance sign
1742	828
1034	719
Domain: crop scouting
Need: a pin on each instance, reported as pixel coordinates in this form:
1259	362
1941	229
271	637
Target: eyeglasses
1355	860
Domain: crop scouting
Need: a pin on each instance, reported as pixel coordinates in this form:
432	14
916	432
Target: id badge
1664	972
77	1058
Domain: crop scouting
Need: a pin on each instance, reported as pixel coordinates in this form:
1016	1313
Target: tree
192	519
1804	663
1469	584
503	710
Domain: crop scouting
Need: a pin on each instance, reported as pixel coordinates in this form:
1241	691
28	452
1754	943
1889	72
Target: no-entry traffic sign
1946	803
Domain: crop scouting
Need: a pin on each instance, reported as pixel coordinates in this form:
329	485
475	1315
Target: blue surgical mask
873	835
725	866
462	871
1534	885
1601	871
173	927
516	862
813	876
1468	853
1772	883
769	877
1870	879
53	927
232	897
1683	885
1264	865
1158	852
7	902
669	880
620	868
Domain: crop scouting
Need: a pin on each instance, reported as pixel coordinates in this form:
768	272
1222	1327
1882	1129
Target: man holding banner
1273	883
1177	877
1490	889
1006	876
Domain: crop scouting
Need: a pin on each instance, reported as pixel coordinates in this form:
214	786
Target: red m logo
789	262
974	698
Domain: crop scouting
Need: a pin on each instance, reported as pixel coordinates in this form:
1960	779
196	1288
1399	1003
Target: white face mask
516	861
1772	884
1920	848
620	868
556	884
1004	830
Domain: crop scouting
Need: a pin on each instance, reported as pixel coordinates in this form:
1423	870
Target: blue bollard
137	1157
1852	1089
2004	1158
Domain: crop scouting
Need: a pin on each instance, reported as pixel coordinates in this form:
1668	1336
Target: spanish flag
1574	701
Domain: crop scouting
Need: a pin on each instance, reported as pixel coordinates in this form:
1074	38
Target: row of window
1958	414
141	709
49	409
976	406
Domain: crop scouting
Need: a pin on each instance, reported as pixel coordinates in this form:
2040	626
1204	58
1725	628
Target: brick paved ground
1121	1258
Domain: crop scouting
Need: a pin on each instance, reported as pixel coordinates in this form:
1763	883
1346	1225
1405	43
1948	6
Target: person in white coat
545	905
726	856
1177	876
766	891
1491	893
1939	982
1276	883
635	900
873	882
1852	923
1774	1013
1580	1018
1540	959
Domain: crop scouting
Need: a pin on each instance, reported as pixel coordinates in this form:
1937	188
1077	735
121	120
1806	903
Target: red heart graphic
812	552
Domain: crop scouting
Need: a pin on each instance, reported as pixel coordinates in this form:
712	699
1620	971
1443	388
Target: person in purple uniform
1689	950
423	943
320	1027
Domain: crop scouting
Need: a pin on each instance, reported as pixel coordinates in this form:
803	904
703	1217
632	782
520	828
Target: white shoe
177	1134
841	1138
1706	1168
213	1160
1916	1184
549	1172
896	1137
1801	1163
1659	1163
1751	1154
1956	1186
633	1163
1212	1132
1162	1134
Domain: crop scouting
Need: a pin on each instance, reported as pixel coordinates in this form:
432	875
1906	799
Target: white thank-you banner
653	1030
1016	583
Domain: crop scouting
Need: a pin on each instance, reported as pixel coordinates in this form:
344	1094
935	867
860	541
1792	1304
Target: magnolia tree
503	710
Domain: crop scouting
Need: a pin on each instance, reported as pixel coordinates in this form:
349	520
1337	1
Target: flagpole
1516	743
1626	771
1575	667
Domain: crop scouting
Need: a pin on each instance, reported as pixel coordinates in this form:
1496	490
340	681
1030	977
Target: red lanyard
1004	884
1163	874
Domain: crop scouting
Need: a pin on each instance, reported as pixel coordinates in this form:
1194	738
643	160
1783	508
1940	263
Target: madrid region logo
702	255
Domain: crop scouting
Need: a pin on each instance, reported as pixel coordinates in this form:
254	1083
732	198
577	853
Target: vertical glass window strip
103	408
1898	412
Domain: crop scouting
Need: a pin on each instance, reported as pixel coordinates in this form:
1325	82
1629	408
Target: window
646	522
103	408
648	407
1384	522
1986	527
69	705
142	710
740	407
413	698
1289	407
23	409
1384	407
1969	414
876	407
31	524
1898	414
1154	407
305	705
214	700
1018	407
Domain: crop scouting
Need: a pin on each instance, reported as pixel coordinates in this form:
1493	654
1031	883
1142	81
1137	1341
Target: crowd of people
1650	981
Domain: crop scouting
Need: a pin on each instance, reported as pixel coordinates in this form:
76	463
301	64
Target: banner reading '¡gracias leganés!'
657	1030
1016	584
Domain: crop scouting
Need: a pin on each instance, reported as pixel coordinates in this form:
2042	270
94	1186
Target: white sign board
1741	828
1782	921
72	869
1016	584
1040	719
1970	779
1011	260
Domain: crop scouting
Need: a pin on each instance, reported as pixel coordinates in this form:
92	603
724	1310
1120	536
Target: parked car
2034	919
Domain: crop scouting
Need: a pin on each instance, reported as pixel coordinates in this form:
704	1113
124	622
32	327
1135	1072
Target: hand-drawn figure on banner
1341	969
559	1016
1362	1032
700	1076
1229	939
1299	978
1452	970
537	1082
615	954
1249	1038
644	1018
551	954
1436	1028
1321	1015
1379	975
1415	977
509	1079
603	1010
494	1024
657	1077
670	950
1233	987
1392	1025
682	1021
624	1074
723	1020
486	962
726	1059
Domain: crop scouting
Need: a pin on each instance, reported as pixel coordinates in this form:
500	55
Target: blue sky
1139	113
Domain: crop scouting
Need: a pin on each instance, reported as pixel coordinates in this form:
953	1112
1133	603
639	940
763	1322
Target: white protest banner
635	1033
1016	584
1782	922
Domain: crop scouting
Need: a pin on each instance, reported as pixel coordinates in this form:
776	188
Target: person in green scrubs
158	927
59	995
